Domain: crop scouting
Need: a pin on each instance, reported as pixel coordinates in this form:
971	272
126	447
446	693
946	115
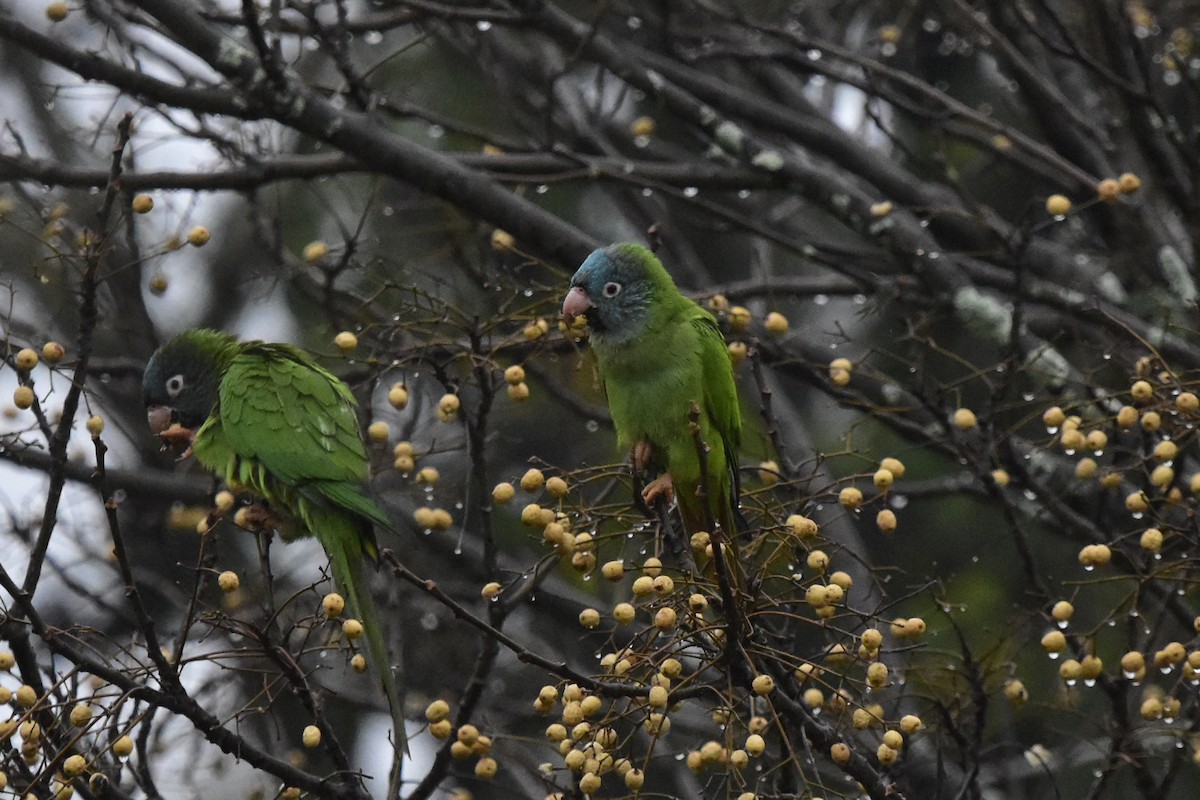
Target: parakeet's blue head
614	289
183	377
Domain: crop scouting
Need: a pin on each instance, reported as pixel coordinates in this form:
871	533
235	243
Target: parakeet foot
640	455
257	516
659	486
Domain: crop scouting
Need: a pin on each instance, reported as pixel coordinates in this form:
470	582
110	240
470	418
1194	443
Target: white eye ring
174	385
612	289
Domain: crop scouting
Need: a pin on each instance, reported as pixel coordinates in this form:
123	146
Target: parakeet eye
174	385
612	289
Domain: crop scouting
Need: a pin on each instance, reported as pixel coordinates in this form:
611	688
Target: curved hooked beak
576	304
159	418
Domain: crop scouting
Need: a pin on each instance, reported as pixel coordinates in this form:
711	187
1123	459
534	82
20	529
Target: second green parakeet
658	352
266	418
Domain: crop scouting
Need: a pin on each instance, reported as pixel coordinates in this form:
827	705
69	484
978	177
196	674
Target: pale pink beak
159	418
576	304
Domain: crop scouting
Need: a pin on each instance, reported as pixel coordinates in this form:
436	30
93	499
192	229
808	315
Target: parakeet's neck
645	345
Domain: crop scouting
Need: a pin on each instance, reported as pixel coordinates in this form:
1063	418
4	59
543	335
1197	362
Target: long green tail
345	546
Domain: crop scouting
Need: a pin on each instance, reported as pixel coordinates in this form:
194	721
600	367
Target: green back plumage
286	429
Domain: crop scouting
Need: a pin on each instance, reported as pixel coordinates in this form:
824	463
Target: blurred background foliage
981	205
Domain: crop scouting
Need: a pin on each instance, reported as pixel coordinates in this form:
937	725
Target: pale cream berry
1001	477
1062	611
228	581
1151	540
802	527
883	479
1187	403
428	476
840	753
26	359
311	736
818	560
1166	450
775	324
352	628
123	746
881	209
502	240
57	11
486	768
1141	391
556	487
333	604
1086	468
910	724
613	570
1151	421
1127	417
1129	182
886	520
74	766
1108	190
491	590
142	203
1015	692
26	696
81	714
634	779
448	407
840	371
533	480
1054	642
877	674
1053	417
514	374
589	783
589	618
755	745
398	395
652	567
657	697
23	397
345	341
503	493
1137	502
768	473
642	126
1057	205
314	251
739	318
763	684
441	729
965	419
624	613
378	431
53	352
851	497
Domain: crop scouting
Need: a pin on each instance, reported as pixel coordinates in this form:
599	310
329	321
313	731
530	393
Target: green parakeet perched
658	352
267	418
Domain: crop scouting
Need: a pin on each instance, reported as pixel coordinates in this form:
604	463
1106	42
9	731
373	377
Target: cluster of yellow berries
1107	190
468	741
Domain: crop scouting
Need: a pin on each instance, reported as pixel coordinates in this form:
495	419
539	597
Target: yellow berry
533	480
486	768
23	397
802	527
441	729
556	487
57	11
1151	421
437	710
1062	611
53	352
26	359
503	493
882	209
491	590
1054	642
768	473
739	318
448	407
1187	402
910	724
1057	205
518	392
886	755
142	203
81	714
228	581
428	476
818	560
1141	391
74	766
737	352
311	736
398	395
352	628
1127	417
1108	190
198	236
378	431
1001	477
894	466
634	779
1053	417
883	479
665	618
1129	182
850	497
624	613
333	604
345	341
1152	540
763	684
502	240
95	425
642	126
877	674
964	419
840	753
514	374
26	696
1137	502
314	251
1086	468
123	746
1015	692
1166	450
589	618
776	324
